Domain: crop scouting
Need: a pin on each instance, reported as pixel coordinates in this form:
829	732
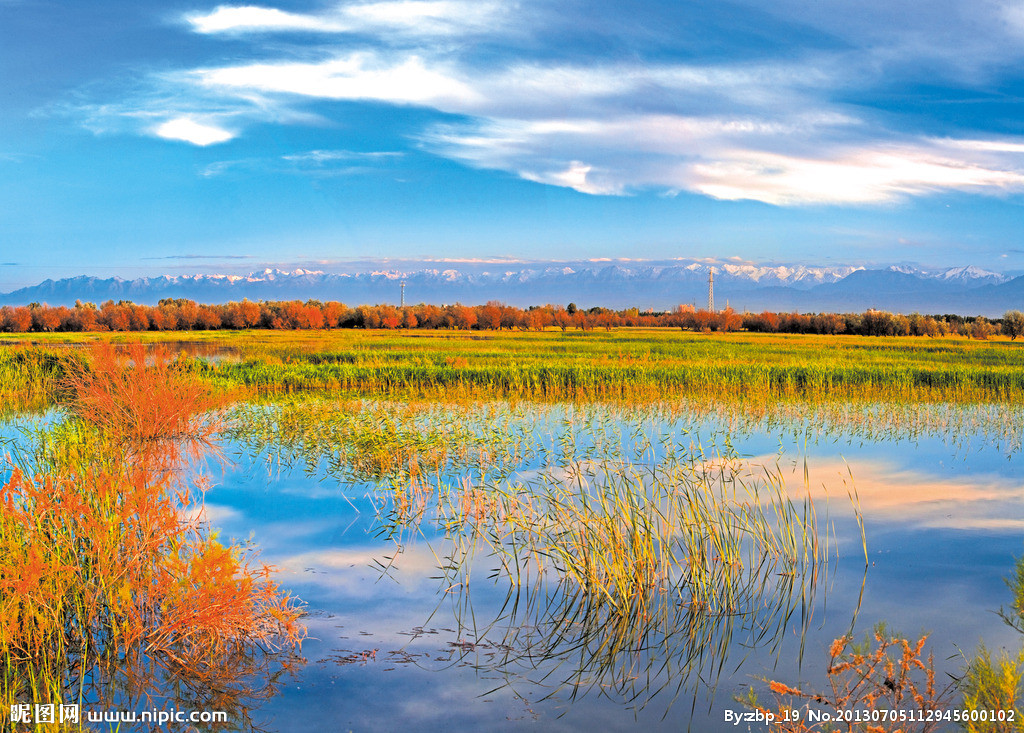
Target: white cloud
188	130
356	76
767	130
244	18
410	17
867	175
743	158
576	176
567	125
535	92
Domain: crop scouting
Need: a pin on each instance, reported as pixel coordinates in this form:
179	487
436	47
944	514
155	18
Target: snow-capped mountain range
657	285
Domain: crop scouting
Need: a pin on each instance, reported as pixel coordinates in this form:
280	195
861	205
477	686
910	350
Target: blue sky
192	137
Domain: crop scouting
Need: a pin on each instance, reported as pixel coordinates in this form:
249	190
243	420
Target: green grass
622	364
29	377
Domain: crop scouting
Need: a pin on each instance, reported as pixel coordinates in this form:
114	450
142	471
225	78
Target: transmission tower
711	290
403	294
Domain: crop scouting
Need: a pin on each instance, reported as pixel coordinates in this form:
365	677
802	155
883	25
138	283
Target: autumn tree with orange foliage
186	315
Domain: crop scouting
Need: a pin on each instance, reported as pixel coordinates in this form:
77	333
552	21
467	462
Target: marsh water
416	625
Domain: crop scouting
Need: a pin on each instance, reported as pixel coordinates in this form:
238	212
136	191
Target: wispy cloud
416	17
357	76
319	157
862	175
171	105
431	16
200	257
248	18
734	159
16	157
526	91
314	163
770	129
778	145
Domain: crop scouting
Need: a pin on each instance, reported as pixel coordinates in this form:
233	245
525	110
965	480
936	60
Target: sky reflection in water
943	523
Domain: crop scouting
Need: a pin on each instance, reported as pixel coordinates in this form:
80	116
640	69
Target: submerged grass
370	440
635	553
642	574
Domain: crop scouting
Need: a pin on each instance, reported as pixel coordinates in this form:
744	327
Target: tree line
181	314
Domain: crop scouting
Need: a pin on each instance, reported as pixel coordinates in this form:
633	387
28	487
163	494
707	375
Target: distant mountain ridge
968	290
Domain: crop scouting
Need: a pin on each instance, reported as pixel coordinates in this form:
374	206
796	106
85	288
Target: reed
29	377
554	381
625	532
648	565
626	364
632	570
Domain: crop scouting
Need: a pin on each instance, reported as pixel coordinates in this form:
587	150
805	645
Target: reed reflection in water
626	564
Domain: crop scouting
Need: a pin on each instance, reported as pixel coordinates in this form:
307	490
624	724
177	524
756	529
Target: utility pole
403	294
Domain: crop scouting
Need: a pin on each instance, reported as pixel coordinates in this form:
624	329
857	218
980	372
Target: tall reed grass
634	578
630	546
554	381
621	365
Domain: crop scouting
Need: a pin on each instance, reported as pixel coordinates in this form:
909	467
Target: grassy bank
626	363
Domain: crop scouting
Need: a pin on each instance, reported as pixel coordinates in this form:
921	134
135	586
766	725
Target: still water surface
943	514
395	643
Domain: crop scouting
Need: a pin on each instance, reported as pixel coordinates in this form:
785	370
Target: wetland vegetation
110	580
591	519
624	364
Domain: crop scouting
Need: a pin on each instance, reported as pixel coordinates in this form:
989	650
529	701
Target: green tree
1013	324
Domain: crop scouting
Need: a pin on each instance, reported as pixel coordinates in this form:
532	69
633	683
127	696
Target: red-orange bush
892	675
104	556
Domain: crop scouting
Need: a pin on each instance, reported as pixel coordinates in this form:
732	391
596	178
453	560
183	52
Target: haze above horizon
205	137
